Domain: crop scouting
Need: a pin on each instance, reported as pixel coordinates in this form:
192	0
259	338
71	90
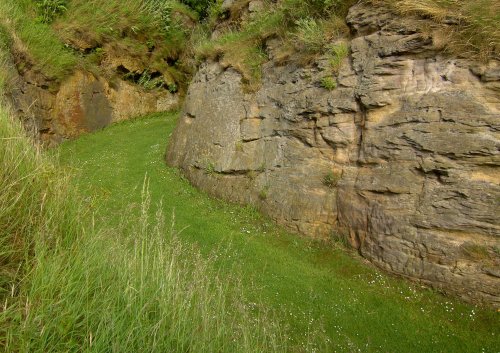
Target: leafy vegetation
467	28
308	25
328	83
173	36
331	179
55	37
202	7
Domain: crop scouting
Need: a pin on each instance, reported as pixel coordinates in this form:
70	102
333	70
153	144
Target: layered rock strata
402	158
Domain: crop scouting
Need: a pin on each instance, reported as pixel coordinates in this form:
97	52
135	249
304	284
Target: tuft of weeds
336	54
252	174
263	193
340	239
96	56
331	179
475	251
309	35
328	83
50	9
210	169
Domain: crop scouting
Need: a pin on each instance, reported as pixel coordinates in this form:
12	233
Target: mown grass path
313	287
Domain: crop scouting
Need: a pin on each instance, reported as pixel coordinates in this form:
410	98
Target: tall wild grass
66	286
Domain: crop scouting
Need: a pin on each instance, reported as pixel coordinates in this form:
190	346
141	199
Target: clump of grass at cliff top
150	34
243	49
66	286
151	23
470	28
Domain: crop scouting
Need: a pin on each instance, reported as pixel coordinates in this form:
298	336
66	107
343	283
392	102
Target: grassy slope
311	285
36	40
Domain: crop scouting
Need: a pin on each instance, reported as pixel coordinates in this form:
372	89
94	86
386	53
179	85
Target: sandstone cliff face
402	158
82	103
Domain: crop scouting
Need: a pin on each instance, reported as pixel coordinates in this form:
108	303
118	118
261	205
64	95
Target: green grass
33	201
328	83
314	287
68	284
35	40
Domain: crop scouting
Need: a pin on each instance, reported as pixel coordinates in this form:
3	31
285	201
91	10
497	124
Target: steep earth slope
401	159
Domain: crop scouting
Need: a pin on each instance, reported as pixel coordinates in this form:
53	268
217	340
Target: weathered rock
409	141
81	103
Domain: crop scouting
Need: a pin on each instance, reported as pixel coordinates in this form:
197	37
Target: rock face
81	103
402	158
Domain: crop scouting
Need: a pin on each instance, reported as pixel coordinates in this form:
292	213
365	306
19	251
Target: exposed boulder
402	158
